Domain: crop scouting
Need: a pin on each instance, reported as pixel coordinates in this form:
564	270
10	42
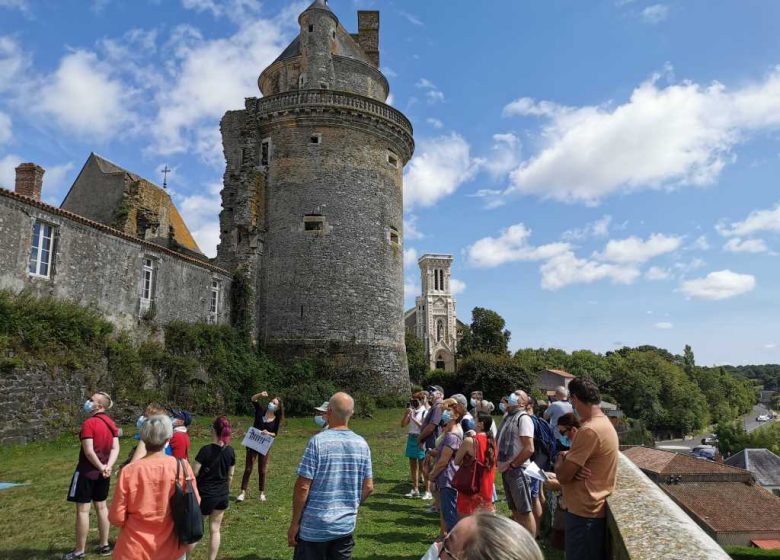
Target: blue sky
605	172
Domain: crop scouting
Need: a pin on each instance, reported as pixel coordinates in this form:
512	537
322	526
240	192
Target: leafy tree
486	334
689	362
496	375
415	356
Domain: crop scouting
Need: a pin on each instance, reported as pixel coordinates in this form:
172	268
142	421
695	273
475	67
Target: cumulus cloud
432	93
439	167
435	123
598	228
719	285
235	10
661	137
411	231
504	155
655	13
6	128
656	273
8	165
664	325
457	286
55	180
737	245
198	212
13	62
757	221
510	246
700	244
566	269
410	257
636	250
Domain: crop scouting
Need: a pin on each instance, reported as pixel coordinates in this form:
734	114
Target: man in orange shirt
587	474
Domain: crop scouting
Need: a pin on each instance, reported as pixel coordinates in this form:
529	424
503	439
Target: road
686	445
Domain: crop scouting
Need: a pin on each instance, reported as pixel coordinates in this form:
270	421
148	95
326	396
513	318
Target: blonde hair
499	538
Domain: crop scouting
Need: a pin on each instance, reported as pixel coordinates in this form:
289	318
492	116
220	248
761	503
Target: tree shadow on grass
30	553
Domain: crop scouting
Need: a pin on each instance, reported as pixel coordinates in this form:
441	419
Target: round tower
322	158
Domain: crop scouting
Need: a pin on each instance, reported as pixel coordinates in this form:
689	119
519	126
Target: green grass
37	522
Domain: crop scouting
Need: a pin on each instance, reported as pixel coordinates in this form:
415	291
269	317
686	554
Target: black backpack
187	518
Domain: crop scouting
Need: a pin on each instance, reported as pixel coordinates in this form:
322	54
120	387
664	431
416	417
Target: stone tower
436	319
313	201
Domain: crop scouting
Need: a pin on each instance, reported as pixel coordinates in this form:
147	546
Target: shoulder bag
187	518
467	479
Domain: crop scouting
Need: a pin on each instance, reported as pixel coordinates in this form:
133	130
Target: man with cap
180	441
429	430
321	415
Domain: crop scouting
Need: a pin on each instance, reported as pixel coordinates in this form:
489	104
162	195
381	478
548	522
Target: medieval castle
312	220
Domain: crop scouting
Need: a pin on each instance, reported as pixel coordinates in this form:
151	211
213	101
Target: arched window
439	330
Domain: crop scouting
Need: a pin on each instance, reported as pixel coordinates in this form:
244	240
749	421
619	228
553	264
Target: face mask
513	399
320	421
473	403
565	441
140	422
446	416
502	407
272	407
89	406
432	554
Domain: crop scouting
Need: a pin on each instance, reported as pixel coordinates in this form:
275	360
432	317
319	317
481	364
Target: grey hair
487	406
499	538
561	390
342	406
156	431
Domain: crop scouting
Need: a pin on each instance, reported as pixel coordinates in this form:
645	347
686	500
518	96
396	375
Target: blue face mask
565	441
140	422
513	399
320	421
89	406
473	403
446	416
502	407
272	407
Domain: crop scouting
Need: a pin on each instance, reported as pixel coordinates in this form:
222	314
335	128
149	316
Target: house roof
663	463
764	464
729	506
765	544
560	372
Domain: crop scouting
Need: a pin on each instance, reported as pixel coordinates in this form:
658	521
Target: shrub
748	552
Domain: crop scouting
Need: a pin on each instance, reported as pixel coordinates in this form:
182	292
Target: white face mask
432	554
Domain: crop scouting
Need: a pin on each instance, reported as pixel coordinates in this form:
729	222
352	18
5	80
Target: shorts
337	549
84	490
536	485
208	505
413	450
517	490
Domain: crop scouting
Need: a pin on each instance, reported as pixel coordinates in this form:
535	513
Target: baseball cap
433	388
183	415
323	407
460	398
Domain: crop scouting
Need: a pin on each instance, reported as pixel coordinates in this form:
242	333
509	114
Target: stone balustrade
645	524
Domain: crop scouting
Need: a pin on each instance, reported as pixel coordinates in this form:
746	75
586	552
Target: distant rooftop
658	464
764	465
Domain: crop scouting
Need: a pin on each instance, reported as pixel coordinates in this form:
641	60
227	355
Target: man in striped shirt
334	478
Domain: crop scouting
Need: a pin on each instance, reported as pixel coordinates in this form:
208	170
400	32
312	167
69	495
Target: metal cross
165	172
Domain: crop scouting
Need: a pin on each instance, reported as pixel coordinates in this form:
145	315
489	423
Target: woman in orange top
481	447
141	505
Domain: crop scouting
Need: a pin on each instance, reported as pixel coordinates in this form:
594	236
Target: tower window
315	138
313	222
265	152
333	34
395	238
41	250
392	159
214	302
323	85
311	28
148	284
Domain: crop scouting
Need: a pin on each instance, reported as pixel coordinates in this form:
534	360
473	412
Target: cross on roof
165	172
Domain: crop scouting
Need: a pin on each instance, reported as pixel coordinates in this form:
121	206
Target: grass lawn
37	522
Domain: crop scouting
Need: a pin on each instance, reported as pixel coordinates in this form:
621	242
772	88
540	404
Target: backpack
545	446
187	518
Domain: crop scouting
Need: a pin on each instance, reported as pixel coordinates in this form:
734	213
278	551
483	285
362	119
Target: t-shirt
453	441
418	415
261	423
102	431
215	463
337	462
433	417
555	411
180	443
595	447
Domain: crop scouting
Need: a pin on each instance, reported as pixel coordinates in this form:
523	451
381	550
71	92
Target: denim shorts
448	502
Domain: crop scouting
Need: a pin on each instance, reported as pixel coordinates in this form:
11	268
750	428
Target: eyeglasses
445	552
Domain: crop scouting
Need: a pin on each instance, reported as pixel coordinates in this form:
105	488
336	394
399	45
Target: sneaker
412	494
427	496
73	555
241	497
104	550
262	496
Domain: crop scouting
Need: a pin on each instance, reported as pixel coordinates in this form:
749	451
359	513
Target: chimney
29	180
368	34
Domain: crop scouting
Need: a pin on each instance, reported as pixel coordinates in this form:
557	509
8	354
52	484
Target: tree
496	375
689	362
486	334
415	356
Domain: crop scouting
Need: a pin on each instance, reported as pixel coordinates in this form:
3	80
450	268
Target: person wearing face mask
180	442
567	428
267	420
502	406
91	480
445	467
429	431
515	443
485	536
139	451
481	447
321	416
474	401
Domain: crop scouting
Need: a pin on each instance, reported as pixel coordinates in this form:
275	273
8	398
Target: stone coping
645	524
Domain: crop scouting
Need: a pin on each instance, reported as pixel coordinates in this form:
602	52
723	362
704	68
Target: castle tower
436	319
313	202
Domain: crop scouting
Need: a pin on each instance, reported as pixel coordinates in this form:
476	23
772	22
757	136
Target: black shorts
209	505
338	549
84	490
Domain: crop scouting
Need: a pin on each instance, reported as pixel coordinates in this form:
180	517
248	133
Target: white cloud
411	18
55	180
656	273
757	221
701	244
411	290
84	98
198	212
432	93
435	123
13	62
6	128
504	155
439	166
457	286
662	137
636	250
664	325
389	72
770	346
235	10
598	228
8	165
511	246
655	13
719	285
566	269
22	5
411	231
410	257
737	245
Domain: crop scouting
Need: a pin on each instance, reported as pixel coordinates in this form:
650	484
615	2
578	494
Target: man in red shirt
90	483
180	442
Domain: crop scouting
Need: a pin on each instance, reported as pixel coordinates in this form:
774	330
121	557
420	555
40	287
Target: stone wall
96	266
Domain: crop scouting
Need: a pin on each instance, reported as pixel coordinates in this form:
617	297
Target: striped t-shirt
337	462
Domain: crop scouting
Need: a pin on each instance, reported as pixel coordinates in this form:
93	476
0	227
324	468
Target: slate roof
728	506
764	465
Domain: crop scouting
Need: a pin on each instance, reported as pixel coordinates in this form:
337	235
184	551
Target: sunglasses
445	551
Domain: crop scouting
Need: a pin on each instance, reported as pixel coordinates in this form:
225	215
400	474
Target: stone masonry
312	205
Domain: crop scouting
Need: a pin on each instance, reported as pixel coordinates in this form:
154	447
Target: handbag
187	518
467	479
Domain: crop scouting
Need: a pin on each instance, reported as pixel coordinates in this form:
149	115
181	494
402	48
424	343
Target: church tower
312	205
436	319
